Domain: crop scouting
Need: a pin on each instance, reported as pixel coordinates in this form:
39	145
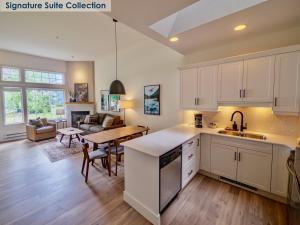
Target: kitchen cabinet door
205	142
287	83
254	168
207	88
188	82
223	160
258	79
280	174
230	82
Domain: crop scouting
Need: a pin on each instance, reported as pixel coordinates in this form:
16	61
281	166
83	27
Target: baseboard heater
238	183
15	136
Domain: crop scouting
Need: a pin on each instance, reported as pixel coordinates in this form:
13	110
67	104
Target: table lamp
125	104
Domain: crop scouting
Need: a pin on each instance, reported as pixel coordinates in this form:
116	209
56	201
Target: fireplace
77	116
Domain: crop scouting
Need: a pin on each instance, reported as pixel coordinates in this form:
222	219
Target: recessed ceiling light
174	39
240	27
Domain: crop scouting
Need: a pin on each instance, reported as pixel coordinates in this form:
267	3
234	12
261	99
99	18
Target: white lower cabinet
190	159
280	174
254	168
205	141
223	160
246	161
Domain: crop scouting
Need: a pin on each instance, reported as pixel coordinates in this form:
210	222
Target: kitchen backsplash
258	119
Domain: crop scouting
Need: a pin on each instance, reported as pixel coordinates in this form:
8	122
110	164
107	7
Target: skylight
199	13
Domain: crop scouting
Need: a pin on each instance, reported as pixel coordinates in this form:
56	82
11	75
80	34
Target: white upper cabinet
230	82
189	88
258	79
207	88
287	83
199	88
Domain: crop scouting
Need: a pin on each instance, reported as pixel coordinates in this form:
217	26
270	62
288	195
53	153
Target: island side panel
142	183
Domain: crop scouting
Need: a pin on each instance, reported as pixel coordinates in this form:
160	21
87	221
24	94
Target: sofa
97	124
35	133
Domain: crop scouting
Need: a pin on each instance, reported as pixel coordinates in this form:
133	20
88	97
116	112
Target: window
44	102
13	106
32	76
10	74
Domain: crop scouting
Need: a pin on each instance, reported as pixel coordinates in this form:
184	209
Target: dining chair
91	156
141	133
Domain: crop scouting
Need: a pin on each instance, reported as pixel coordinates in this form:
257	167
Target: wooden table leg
70	140
62	136
109	160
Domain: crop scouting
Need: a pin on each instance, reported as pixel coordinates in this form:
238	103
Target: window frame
22	105
41	88
43	71
10	81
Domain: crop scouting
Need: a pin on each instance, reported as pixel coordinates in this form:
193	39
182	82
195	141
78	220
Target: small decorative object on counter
198	120
212	125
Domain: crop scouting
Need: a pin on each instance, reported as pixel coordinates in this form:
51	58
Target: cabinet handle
244	93
189	173
191	142
275	101
198	141
190	156
239	158
240	93
195	101
234	156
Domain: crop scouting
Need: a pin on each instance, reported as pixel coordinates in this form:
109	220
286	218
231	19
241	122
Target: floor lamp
125	104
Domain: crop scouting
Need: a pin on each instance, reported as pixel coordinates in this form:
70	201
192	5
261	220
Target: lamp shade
60	112
125	104
117	88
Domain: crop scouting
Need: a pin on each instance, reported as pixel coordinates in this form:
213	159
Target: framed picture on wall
152	99
81	92
114	103
104	100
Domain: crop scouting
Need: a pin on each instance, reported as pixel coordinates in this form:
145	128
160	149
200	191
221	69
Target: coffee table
72	132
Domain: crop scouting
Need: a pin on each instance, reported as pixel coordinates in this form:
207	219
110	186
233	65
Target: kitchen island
142	162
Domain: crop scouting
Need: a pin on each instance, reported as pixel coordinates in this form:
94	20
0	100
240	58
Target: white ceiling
269	16
199	13
88	36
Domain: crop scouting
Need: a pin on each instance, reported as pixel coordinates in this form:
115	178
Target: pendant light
116	87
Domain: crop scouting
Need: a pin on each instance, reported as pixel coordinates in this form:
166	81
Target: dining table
111	137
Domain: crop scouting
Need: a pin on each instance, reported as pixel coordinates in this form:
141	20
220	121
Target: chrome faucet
242	120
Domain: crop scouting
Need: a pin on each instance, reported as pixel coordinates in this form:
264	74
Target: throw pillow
94	119
87	119
101	117
44	121
108	121
36	123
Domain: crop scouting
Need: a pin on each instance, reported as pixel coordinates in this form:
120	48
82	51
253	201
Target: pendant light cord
115	21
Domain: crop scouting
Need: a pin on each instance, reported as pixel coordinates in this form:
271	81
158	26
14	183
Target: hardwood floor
35	191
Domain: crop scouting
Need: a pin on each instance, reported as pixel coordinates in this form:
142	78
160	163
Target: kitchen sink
243	134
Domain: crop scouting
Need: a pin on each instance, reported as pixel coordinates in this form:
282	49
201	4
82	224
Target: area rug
56	150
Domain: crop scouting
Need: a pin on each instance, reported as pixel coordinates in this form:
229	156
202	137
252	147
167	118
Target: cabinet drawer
190	144
188	171
188	155
251	145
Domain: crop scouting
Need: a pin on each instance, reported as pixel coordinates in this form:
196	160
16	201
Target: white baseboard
142	209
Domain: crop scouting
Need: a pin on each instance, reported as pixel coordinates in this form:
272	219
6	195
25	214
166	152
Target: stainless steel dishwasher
170	176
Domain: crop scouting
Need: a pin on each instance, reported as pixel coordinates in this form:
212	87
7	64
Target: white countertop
160	142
